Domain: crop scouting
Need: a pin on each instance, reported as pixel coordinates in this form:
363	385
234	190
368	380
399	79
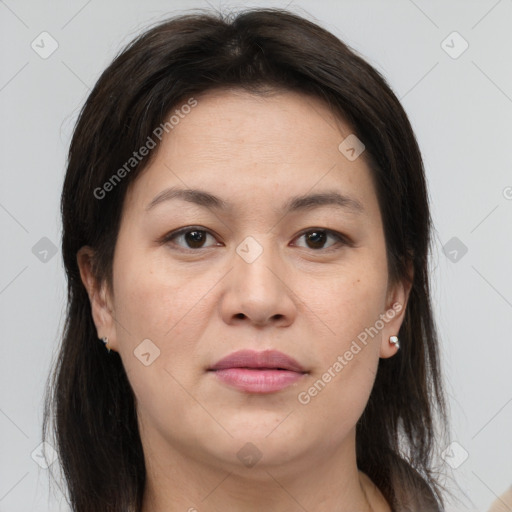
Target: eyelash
342	239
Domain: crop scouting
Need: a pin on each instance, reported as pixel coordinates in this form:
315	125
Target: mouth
258	372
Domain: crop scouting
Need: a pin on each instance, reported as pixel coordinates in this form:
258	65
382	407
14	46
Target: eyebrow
297	203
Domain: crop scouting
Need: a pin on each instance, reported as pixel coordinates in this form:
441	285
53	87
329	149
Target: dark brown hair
89	396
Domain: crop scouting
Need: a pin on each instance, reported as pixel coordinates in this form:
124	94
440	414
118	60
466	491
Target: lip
258	372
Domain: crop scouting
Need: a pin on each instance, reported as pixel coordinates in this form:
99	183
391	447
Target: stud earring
105	340
394	341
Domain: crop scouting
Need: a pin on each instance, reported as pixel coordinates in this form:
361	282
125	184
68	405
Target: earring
105	340
394	341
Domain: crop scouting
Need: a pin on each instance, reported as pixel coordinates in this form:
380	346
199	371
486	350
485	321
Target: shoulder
503	503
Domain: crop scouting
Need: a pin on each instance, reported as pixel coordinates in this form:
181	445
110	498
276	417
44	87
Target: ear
396	305
99	297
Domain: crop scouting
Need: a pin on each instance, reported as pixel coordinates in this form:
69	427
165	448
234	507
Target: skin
198	305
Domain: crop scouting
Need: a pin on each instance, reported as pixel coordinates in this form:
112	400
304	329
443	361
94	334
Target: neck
177	481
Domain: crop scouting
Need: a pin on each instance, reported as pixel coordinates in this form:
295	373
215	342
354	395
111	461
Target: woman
246	229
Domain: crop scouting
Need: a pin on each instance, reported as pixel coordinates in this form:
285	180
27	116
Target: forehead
280	126
241	145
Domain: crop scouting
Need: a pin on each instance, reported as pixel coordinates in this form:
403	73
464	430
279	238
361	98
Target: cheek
348	357
143	305
349	302
349	308
171	309
152	299
165	308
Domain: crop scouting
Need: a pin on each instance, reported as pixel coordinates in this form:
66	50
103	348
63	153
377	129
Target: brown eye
193	238
316	238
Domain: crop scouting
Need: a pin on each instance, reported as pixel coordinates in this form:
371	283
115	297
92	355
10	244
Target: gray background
460	108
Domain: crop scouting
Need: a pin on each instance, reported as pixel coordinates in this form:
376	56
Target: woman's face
254	269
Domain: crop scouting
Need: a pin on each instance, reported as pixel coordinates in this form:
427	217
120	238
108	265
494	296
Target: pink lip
258	372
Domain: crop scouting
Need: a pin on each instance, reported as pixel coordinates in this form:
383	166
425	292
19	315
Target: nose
259	292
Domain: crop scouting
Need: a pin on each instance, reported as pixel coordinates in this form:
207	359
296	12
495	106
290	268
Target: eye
316	238
193	237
